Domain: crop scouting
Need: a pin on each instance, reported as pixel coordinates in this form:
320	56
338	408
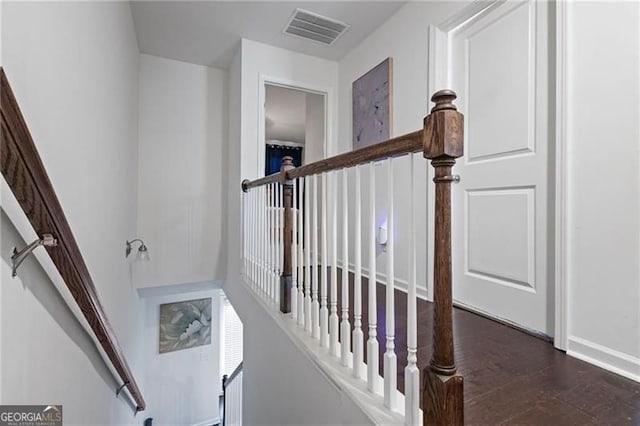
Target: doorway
499	65
295	126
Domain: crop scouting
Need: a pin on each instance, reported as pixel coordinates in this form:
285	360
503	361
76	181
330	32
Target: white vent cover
315	27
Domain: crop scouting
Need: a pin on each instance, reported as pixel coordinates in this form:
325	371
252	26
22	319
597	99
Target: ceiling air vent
315	27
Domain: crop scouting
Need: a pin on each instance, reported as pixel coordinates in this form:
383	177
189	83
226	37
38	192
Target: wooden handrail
441	141
27	177
394	147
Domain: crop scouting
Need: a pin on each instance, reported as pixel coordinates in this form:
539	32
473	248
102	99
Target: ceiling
208	32
285	113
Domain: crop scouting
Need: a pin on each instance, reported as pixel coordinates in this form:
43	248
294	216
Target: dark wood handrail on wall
27	177
441	140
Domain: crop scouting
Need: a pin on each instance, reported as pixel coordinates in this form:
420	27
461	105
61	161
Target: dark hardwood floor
511	377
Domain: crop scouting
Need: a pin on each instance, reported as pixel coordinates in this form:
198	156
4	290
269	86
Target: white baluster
247	236
372	342
245	205
259	192
300	252
278	238
256	235
324	270
252	239
411	371
277	233
334	321
307	255
315	314
254	230
345	326
250	220
272	244
257	231
294	253
266	241
246	233
358	335
263	238
269	241
390	360
244	230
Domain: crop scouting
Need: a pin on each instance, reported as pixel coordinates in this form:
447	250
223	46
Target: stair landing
511	377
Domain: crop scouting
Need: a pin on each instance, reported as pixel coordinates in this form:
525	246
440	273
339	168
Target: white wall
405	38
252	62
270	390
74	71
604	183
284	114
278	65
314	129
604	253
233	155
183	174
182	387
292	390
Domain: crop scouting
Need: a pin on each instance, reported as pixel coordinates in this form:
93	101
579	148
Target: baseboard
503	321
400	284
603	357
209	422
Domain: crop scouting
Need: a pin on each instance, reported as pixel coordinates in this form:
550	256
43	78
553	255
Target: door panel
498	62
499	68
500	236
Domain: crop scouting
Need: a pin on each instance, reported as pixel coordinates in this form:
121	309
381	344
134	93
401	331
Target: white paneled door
499	66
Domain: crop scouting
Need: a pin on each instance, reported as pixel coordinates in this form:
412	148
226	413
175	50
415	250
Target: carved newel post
443	143
287	235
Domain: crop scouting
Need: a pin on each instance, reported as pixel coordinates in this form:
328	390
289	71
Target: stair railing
290	258
27	177
232	397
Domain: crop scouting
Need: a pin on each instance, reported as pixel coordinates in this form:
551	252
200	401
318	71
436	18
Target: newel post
287	235
443	143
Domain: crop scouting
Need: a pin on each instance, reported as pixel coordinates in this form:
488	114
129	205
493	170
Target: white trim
208	422
469	14
437	58
283	143
399	283
603	357
561	317
505	321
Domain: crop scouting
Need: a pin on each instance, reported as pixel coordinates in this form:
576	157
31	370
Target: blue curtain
275	153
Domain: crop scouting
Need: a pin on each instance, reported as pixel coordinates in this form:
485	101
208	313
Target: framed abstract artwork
185	325
372	95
